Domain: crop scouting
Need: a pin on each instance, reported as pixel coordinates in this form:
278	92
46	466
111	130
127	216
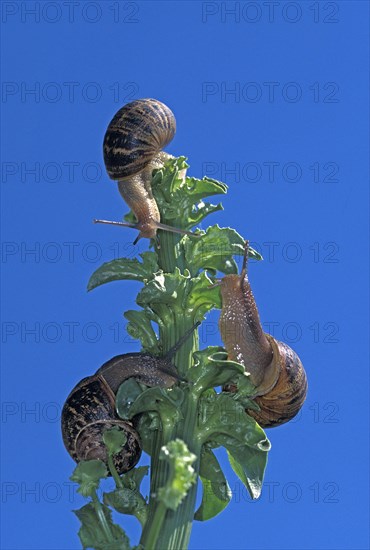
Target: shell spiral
283	402
135	135
88	411
90	408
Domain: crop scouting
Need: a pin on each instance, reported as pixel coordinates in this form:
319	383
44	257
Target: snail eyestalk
144	231
182	340
108	222
245	260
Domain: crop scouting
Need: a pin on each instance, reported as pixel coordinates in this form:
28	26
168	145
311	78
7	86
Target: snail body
132	149
274	368
90	408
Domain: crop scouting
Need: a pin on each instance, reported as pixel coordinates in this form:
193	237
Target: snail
132	149
90	407
274	368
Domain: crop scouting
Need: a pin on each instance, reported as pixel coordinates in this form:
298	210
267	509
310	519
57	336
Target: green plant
179	427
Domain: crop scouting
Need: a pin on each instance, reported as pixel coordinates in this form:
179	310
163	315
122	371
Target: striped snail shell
135	136
90	408
132	149
285	399
274	368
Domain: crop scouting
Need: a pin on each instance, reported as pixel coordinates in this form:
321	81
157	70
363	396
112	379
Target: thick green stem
155	527
168	529
179	523
103	522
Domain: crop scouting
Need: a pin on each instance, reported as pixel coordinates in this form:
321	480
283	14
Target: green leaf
114	439
140	328
125	268
92	533
125	397
169	178
164	295
201	210
216	491
129	500
180	293
206	187
215	250
221	413
156	402
166	402
212	368
180	198
249	465
181	475
203	296
88	474
165	288
245	392
133	478
148	425
224	422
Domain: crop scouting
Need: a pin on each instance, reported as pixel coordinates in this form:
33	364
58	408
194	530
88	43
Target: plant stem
155	526
113	471
179	523
101	516
168	529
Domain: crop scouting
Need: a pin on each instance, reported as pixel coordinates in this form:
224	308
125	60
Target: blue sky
271	98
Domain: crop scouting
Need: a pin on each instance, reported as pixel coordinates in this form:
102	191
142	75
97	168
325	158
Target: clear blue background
313	288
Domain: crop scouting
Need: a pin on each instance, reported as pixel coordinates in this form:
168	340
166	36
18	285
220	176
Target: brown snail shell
283	402
132	149
135	136
89	411
90	408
